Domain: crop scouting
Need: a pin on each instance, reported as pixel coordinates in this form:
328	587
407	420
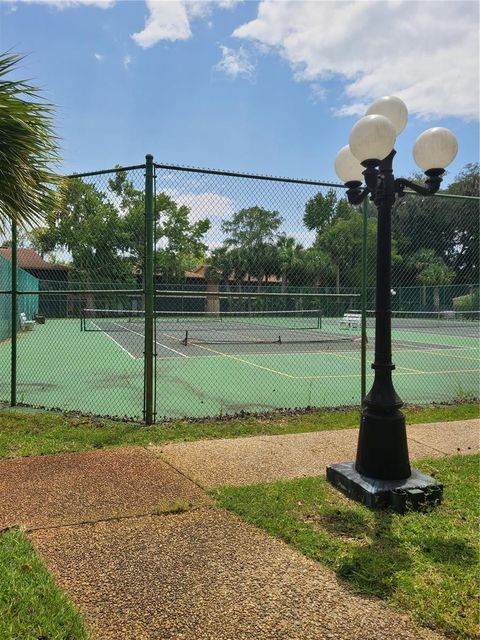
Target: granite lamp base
415	493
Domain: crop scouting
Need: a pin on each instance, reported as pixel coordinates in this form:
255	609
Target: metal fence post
363	357
149	292
14	306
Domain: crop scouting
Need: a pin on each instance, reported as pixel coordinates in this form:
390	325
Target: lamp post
381	474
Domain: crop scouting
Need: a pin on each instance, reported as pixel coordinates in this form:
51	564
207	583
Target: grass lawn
32	607
27	433
420	562
423	563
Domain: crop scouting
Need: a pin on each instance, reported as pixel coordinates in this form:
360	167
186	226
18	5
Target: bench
351	321
26	325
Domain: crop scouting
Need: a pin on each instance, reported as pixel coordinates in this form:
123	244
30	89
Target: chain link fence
163	292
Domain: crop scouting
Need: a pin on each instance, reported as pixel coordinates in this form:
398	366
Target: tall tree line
435	240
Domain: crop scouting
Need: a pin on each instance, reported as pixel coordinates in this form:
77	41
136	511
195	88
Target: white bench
351	321
26	325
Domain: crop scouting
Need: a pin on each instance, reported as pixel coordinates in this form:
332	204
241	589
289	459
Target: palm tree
319	266
432	272
289	253
28	149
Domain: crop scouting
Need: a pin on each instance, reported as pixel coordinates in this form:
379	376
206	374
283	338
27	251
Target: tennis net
431	320
197	327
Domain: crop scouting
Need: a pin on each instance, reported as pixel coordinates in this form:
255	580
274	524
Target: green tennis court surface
101	371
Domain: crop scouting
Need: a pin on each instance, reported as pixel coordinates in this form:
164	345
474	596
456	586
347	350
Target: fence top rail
444	195
240	174
252	176
167	293
54	292
105	171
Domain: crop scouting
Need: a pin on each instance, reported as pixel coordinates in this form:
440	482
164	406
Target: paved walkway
145	555
73	488
239	461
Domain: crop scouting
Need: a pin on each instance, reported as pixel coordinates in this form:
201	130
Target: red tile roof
199	272
30	259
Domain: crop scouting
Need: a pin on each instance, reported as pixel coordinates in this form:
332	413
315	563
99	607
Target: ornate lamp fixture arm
373	183
433	182
356	194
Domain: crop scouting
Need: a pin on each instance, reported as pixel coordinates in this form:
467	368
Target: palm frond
28	149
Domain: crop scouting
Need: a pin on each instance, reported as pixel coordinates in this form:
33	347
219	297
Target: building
51	276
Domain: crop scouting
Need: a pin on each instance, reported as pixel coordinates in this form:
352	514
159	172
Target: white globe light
372	138
435	148
347	167
392	108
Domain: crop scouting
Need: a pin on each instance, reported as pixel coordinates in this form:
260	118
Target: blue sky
268	87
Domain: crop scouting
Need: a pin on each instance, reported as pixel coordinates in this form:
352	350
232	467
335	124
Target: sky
271	87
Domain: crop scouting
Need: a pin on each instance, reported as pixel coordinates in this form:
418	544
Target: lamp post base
414	493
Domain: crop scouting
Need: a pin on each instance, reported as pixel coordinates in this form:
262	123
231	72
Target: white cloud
319	93
126	61
98	56
170	19
424	52
167	21
68	4
203	8
211	205
236	63
203	205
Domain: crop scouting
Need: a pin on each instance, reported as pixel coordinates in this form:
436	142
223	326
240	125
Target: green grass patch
32	607
27	433
171	507
423	563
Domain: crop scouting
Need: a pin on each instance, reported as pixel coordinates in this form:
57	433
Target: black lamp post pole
382	451
381	475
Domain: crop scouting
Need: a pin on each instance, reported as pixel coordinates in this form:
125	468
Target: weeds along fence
165	292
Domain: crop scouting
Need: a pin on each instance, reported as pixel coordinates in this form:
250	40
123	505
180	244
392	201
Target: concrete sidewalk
71	488
257	459
99	521
206	575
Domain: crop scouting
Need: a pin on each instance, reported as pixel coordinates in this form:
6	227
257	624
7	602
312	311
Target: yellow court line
252	364
420	373
398	367
442	352
287	375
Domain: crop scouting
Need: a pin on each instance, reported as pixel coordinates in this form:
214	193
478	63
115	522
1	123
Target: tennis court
247	301
225	366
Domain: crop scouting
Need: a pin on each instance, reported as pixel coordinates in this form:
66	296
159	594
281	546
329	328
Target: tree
180	243
253	230
219	267
342	242
28	149
184	246
467	183
23	239
288	254
317	267
320	211
432	272
448	226
88	227
466	246
238	259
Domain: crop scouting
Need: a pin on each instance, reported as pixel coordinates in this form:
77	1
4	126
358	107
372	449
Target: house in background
29	260
51	276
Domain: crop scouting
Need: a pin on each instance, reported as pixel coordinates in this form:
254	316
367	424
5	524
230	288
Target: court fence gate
165	292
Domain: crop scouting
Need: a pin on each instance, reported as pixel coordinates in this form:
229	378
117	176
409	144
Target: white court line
336	353
156	342
117	343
